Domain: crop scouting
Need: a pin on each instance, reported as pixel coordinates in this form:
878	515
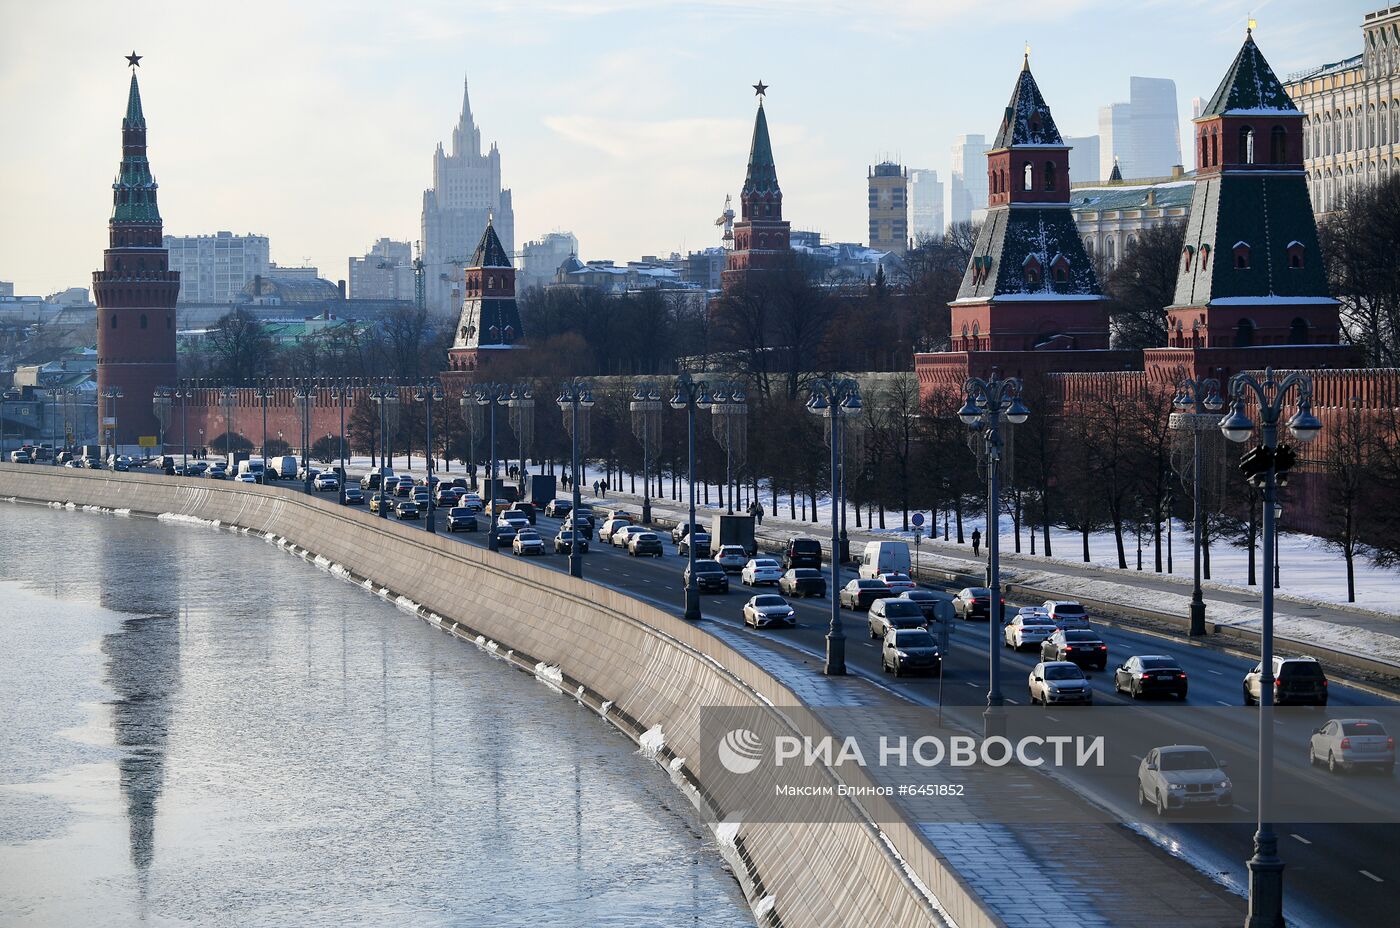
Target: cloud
642	140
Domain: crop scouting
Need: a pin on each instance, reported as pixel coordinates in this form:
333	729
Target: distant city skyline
318	141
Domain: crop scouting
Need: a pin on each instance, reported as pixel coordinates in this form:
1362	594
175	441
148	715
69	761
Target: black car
700	539
910	650
528	509
927	601
709	577
407	509
802	581
802	552
1150	675
582	525
1080	646
558	508
974	602
353	496
859	594
461	519
681	530
564	542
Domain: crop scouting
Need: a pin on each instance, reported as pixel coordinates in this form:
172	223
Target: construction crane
420	293
726	220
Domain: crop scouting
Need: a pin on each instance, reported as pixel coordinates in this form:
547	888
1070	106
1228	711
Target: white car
622	534
1066	613
1055	683
326	481
761	570
1182	775
527	541
247	478
611	527
769	609
472	501
899	582
732	558
1347	744
516	520
1027	630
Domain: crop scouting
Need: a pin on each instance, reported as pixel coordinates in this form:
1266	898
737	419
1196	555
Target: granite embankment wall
638	665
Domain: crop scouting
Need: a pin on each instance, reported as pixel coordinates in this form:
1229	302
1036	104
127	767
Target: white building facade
1351	114
216	268
926	204
965	193
384	273
540	259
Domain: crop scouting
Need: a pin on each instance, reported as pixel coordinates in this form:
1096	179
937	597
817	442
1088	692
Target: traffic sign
148	441
918	518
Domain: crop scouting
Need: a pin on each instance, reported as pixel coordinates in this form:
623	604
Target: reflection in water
309	755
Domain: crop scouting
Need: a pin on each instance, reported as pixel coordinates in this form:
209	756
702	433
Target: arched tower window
1246	153
1278	145
1214	147
1028	177
1298	332
1296	255
1241	256
1032	271
1244	333
1187	254
1049	175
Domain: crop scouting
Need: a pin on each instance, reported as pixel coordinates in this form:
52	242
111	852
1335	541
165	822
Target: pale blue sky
624	121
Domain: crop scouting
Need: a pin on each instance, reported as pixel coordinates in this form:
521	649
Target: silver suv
1182	775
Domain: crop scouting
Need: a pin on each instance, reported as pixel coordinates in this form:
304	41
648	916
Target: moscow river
200	729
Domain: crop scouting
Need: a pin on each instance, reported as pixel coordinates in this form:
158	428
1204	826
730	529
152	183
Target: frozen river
201	730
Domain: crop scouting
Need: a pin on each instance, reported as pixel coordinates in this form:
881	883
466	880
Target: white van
884	557
282	467
252	466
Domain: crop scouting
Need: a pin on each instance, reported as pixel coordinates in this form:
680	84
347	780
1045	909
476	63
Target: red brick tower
761	238
1251	289
490	319
135	292
1029	286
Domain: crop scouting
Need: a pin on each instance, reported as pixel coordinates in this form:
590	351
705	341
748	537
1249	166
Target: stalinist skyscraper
466	192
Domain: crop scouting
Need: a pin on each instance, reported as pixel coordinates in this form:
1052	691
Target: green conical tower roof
134	190
762	176
1249	86
1027	120
489	251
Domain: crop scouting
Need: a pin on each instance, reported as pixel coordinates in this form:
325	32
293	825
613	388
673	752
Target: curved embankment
647	672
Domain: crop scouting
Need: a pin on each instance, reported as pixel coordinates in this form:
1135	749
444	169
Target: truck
732	529
252	466
282	467
884	557
539	489
236	458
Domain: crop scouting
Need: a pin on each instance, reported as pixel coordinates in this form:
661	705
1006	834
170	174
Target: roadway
1336	874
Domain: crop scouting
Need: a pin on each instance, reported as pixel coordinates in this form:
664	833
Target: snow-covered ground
1309	568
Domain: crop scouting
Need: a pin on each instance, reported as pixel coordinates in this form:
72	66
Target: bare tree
1143	284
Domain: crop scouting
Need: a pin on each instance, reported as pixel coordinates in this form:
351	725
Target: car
75	463
461	519
1297	680
802	581
407	509
1027	630
644	544
581	525
472	501
517	519
505	532
558	508
612	527
122	465
377	501
326	481
445	498
927	600
302	474
893	612
1150	674
858	594
1066	613
683	529
585	511
701	540
420	495
769	609
527	541
1056	683
564	542
1036	611
218	471
710	577
802	552
732	558
974	602
761	570
497	506
374	480
910	650
19	457
527	508
1080	646
623	534
242	478
403	486
1350	744
900	583
1181	775
200	466
354	496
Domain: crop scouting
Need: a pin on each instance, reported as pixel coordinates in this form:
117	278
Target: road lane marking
1371	876
1139	757
1221	702
1052	718
974	685
1216	672
1300	838
1013	702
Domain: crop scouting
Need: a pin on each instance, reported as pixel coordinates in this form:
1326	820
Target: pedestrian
976	541
605	488
595	488
758	513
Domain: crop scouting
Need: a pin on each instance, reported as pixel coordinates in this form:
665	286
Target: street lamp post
988	402
835	400
306	398
386	397
228	395
492	395
183	392
690	395
263	394
1265	867
646	409
340	393
729	404
109	423
576	399
161	401
1202	399
521	403
426	394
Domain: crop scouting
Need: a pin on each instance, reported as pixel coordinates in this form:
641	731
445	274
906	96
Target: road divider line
1371	876
1300	839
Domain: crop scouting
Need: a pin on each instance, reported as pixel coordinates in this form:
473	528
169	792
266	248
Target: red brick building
135	294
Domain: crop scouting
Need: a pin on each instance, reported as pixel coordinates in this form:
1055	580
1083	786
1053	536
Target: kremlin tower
135	294
761	237
490	320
